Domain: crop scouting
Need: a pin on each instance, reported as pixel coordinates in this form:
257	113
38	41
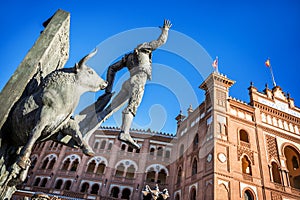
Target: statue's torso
140	61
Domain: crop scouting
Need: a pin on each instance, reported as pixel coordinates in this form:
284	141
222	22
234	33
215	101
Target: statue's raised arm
162	39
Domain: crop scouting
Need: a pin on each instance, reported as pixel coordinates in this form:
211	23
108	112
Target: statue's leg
136	94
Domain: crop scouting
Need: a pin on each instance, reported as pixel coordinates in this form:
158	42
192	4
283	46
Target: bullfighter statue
139	64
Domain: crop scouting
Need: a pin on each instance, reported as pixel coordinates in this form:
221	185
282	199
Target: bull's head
87	77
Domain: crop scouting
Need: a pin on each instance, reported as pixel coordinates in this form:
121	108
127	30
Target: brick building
223	149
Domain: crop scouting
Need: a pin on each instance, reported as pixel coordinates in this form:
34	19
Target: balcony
66	173
278	186
160	185
73	194
247	177
40	189
121	179
295	191
245	144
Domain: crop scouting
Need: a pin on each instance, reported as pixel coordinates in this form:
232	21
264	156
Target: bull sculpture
47	113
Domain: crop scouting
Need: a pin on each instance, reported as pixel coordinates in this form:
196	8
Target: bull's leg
45	117
72	128
24	160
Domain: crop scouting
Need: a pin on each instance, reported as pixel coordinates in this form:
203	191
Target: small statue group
155	193
42	196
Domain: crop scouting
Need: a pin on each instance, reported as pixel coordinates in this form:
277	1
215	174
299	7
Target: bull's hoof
23	162
125	137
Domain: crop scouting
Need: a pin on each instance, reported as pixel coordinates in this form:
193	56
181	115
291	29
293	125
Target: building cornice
279	134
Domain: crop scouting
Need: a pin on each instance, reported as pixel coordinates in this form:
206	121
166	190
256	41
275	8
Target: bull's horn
87	57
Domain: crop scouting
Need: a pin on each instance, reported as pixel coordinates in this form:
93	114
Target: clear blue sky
243	35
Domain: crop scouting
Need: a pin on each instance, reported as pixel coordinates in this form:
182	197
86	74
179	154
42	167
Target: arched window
120	170
195	141
159	151
51	164
44	182
115	192
100	169
68	185
244	136
248	195
91	166
84	187
37	181
152	151
130	149
103	143
109	146
295	162
181	150
162	176
66	164
179	174
194	167
123	147
130	172
177	197
74	165
58	184
193	194
167	155
96	145
45	163
33	162
246	166
275	173
51	144
150	175
126	194
95	189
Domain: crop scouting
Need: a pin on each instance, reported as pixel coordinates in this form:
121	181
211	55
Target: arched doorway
115	192
126	194
248	195
193	194
293	164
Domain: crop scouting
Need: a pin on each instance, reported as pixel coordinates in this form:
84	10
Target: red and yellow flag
215	63
267	63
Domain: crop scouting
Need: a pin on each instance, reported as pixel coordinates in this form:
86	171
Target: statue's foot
23	162
125	137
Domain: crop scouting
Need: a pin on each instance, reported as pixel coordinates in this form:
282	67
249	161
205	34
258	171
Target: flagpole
268	64
273	79
217	68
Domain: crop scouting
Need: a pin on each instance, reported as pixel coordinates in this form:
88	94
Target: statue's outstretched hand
167	24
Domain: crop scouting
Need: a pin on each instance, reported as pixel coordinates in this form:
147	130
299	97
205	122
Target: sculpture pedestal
50	52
